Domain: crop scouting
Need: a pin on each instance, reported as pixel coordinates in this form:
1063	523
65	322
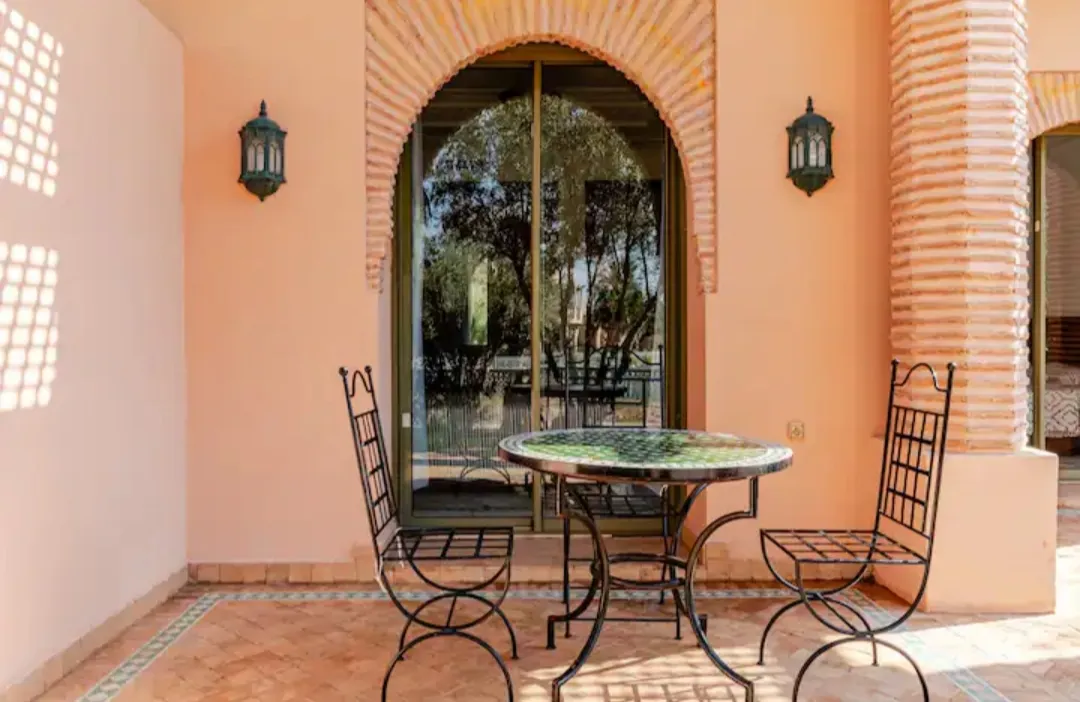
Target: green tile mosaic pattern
647	449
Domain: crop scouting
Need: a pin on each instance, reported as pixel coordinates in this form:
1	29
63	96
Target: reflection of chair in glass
603	393
621	393
480	421
413	546
903	533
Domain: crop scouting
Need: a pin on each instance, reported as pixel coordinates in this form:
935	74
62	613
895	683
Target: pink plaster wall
92	494
276	297
802	296
1052	44
973	539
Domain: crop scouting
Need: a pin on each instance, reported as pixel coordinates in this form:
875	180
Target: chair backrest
914	453
382	508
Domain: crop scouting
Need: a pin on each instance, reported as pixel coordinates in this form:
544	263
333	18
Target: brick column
960	207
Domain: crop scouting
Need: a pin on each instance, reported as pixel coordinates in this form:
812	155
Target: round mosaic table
633	455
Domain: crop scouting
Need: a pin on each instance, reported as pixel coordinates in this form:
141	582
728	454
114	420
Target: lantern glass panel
250	160
811	154
821	150
799	152
260	155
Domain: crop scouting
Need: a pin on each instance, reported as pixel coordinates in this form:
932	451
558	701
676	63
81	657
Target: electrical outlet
796	431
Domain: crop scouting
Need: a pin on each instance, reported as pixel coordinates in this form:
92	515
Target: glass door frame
673	225
1038	344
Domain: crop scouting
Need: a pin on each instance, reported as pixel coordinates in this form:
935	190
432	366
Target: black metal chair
910	484
413	546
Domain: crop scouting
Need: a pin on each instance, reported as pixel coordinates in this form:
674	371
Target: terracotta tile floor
324	645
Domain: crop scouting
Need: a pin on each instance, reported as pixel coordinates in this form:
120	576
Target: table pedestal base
681	587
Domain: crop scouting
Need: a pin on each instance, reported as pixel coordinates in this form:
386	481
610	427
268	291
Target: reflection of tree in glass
606	248
599	233
622	223
478	213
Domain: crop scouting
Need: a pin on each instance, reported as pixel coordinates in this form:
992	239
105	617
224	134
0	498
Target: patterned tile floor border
110	686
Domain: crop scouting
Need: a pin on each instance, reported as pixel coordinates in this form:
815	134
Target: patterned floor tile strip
976	688
110	686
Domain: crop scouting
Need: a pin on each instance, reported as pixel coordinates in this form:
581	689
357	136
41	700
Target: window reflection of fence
622	389
464	427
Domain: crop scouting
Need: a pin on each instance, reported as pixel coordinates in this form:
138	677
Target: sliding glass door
1055	278
536	248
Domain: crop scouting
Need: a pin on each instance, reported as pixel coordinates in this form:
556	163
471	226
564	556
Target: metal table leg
600	587
688	593
601	582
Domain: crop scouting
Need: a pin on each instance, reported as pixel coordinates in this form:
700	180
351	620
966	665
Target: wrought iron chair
415	547
903	532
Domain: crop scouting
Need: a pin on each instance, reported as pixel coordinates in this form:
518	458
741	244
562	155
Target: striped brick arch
666	47
1055	100
959	171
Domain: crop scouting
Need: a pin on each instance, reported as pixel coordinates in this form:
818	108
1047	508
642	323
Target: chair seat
603	502
452	544
841	547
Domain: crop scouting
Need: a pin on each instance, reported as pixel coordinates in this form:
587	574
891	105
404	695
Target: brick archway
1054	100
666	47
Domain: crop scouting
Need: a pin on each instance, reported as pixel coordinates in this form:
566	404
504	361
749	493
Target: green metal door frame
1039	254
674	243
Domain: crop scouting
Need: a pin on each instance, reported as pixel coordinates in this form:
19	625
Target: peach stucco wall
1052	44
92	494
276	297
802	283
276	293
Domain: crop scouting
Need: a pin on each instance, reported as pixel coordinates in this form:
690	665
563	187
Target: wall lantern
262	155
810	151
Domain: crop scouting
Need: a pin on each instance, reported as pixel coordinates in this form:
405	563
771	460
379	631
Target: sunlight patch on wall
28	331
29	85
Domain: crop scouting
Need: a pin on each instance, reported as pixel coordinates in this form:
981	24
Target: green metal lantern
810	151
262	155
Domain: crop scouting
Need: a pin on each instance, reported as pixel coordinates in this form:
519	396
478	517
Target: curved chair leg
869	630
439	634
827	600
850	639
768	627
472	596
810	598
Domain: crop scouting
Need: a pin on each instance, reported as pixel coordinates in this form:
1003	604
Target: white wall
92	476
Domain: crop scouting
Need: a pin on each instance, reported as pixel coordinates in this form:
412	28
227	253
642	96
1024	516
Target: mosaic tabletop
648	455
